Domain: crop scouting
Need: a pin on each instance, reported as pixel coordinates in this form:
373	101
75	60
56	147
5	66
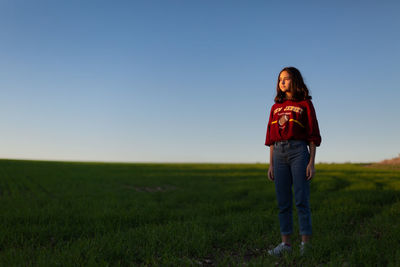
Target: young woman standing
292	129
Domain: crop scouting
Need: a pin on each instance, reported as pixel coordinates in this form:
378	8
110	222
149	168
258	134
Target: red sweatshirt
293	120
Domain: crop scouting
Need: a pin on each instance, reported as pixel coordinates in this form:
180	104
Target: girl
292	126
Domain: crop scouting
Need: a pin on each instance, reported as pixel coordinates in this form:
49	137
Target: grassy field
98	214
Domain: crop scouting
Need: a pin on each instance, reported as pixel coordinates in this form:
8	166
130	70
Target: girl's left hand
310	171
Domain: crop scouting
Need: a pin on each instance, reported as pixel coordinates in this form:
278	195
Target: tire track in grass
329	184
40	189
331	181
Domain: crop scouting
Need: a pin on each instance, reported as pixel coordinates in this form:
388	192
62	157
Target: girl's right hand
271	173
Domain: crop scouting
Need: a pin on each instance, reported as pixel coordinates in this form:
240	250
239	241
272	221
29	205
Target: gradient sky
193	81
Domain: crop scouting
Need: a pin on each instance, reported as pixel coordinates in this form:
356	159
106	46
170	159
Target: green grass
99	214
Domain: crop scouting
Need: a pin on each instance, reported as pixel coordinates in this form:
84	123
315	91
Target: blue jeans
290	159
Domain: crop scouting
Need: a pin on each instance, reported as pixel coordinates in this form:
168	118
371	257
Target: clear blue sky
193	81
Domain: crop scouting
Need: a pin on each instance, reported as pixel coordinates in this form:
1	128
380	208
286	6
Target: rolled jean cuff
305	233
286	233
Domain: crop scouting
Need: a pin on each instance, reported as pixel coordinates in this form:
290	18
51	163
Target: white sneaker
280	249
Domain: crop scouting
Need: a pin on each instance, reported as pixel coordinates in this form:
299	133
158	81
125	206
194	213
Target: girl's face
284	81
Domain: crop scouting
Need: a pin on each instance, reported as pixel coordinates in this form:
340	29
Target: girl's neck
289	96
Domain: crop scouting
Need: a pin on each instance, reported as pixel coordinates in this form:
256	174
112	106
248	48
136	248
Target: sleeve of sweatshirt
312	125
268	140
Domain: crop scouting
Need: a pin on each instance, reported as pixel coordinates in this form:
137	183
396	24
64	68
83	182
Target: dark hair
297	86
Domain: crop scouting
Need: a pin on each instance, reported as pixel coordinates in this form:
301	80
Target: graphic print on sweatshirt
282	120
287	114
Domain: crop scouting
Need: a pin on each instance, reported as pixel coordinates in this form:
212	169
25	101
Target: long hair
297	87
